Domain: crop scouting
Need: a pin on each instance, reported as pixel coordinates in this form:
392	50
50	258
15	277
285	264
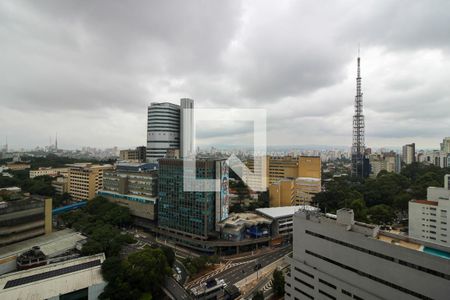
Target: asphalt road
176	290
237	273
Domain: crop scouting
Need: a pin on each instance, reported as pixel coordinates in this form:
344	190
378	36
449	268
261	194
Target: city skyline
100	77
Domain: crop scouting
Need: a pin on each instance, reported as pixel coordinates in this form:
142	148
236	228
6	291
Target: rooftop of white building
52	280
284	211
51	244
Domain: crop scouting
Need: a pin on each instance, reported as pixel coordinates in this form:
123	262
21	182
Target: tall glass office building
191	214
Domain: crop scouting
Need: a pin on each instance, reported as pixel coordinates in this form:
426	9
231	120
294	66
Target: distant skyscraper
168	129
163	130
360	164
409	153
445	145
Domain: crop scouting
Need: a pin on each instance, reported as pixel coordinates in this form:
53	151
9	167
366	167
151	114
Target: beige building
281	167
85	179
133	155
49	172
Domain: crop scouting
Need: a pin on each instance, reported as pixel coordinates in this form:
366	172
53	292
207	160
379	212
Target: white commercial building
49	172
429	219
335	257
169	127
79	278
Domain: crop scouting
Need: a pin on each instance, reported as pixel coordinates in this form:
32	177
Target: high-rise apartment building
85	180
24	219
335	257
168	128
187	213
133	185
409	153
389	162
445	145
429	220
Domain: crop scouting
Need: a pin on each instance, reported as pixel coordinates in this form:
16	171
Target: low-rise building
52	245
61	185
79	278
17	166
133	185
133	155
282	219
335	257
239	226
429	220
49	172
24	219
291	192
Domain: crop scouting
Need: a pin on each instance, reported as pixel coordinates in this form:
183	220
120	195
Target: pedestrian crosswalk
267	287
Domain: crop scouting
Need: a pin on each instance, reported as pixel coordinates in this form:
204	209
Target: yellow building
282	193
85	179
293	180
281	167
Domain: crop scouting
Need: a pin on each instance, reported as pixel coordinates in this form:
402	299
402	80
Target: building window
383	256
346	293
371	277
304	283
327	295
304	272
304	294
327	283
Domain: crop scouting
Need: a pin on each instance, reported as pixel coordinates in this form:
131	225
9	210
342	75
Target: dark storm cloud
85	64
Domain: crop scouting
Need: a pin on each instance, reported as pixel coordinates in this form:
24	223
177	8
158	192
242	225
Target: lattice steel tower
358	148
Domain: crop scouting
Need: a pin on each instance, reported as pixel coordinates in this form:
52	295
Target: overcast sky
88	69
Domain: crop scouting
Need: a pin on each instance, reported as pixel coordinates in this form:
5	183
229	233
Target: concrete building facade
335	257
24	219
429	220
135	188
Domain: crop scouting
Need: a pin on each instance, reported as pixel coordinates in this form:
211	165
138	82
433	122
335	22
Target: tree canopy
383	198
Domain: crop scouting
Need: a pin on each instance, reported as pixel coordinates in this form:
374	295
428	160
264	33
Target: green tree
169	254
381	214
140	276
258	296
278	283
